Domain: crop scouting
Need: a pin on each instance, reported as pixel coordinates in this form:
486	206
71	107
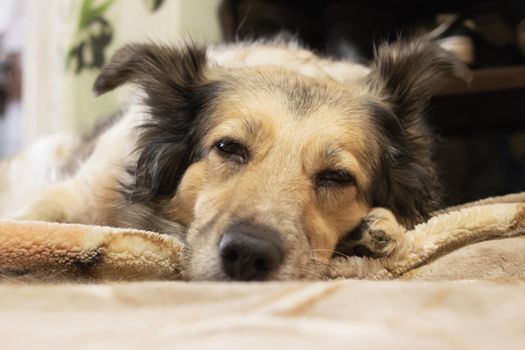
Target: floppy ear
406	74
172	81
146	64
410	72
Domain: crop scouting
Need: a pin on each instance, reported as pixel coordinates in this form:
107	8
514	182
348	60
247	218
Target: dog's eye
232	150
335	177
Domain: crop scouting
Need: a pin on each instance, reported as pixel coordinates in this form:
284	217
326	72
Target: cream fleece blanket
443	248
333	315
337	314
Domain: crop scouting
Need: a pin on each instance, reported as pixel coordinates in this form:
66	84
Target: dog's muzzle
250	252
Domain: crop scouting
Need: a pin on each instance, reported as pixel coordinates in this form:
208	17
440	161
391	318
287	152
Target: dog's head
270	169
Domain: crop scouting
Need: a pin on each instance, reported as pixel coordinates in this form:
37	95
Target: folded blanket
443	248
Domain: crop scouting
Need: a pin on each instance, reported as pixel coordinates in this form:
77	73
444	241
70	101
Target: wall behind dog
68	41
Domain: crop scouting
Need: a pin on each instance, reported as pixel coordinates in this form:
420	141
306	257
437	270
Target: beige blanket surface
331	315
338	314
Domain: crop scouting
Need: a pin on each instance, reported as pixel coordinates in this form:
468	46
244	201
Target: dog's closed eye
232	150
329	178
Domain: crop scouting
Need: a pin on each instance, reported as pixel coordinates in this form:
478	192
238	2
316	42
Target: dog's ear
174	91
147	64
406	74
409	72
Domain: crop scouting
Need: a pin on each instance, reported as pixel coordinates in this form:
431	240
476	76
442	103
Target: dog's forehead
299	93
289	102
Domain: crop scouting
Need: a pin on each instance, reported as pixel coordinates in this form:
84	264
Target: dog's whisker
334	252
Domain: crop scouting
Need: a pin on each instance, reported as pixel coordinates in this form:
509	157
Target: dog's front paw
378	235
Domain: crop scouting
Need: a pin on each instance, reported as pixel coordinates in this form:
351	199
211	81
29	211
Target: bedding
345	314
445	247
481	309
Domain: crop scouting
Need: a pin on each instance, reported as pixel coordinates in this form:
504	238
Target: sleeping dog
265	158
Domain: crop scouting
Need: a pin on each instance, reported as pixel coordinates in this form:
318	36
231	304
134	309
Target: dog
263	157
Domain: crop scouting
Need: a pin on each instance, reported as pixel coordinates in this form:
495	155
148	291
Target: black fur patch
169	144
404	179
407	74
176	95
357	233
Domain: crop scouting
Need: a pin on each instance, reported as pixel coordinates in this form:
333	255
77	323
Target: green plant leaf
89	12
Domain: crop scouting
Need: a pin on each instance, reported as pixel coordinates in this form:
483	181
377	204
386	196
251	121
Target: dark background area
481	127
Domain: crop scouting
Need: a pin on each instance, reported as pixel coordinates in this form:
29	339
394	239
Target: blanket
343	314
446	247
335	314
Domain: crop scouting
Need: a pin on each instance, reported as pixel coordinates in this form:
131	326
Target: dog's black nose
249	253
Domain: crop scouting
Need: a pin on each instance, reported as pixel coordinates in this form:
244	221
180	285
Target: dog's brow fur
330	151
300	95
250	127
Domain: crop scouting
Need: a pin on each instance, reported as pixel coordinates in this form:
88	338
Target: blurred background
51	52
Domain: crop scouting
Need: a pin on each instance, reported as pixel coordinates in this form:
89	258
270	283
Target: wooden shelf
494	101
489	79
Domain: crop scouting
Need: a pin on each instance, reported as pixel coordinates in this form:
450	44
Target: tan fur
87	196
298	114
279	179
